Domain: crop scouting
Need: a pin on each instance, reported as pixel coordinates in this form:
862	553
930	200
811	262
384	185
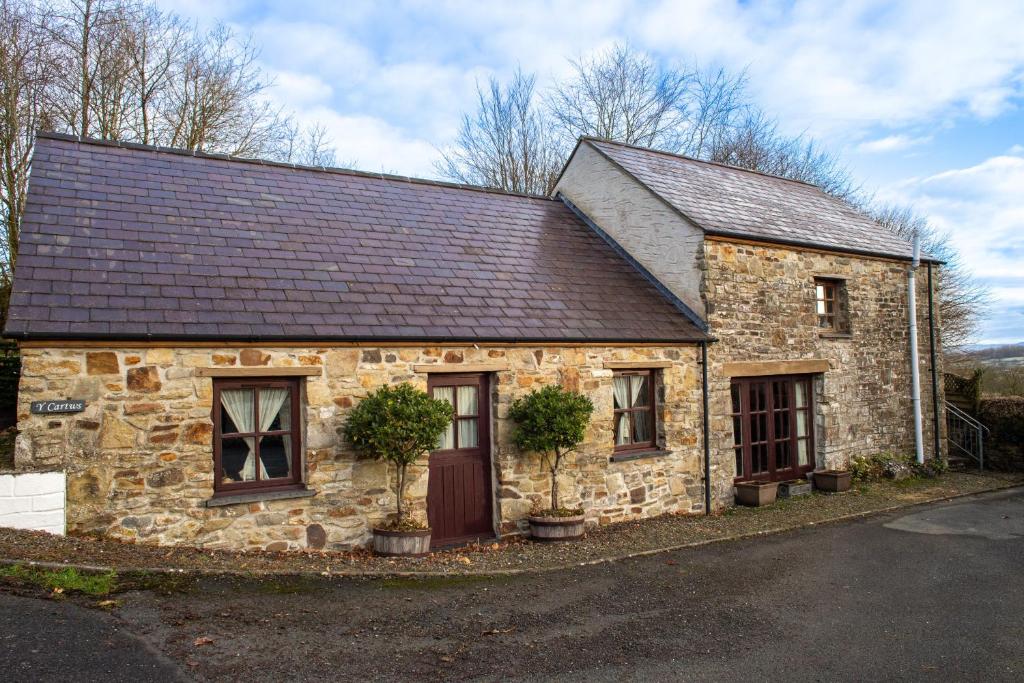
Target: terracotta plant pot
556	528
756	493
413	543
797	487
832	481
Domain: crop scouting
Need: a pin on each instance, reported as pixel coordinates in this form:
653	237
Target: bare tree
216	99
506	143
307	146
155	43
963	300
622	94
26	72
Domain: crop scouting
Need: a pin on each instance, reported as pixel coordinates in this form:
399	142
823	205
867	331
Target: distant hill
992	355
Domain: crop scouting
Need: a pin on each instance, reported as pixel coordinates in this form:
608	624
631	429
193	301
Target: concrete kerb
425	574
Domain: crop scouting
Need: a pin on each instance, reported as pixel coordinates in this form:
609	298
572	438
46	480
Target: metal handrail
978	432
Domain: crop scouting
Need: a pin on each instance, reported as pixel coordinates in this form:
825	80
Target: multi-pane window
772	427
463	431
634	403
256	435
830	305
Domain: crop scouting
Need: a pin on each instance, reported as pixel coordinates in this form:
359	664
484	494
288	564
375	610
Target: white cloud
891	143
982	208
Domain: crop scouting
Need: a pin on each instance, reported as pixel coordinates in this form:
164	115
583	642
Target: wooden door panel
459	487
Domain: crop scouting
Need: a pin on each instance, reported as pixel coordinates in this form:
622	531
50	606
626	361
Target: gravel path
512	555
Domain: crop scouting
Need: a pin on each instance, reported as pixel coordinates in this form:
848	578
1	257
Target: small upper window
830	304
635	426
257	443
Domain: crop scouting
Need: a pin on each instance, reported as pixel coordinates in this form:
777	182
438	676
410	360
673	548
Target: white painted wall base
33	500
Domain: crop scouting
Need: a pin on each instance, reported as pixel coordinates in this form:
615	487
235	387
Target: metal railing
966	434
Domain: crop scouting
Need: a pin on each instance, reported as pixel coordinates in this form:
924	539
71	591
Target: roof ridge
52	135
676	155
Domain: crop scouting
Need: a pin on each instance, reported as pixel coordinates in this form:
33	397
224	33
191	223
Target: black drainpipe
707	435
935	371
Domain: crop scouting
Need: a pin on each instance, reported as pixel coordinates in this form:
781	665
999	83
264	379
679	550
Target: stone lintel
774	367
636	365
310	371
460	367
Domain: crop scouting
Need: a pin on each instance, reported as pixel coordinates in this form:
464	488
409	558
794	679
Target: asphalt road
936	594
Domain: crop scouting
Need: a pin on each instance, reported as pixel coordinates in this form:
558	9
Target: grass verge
69	580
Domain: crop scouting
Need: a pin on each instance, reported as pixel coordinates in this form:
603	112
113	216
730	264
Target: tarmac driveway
933	594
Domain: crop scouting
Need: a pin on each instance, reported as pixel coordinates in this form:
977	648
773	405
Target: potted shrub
552	421
399	424
832	481
756	493
794	487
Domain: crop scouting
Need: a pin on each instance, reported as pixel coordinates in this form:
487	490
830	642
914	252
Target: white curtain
447	438
271	401
620	385
639	419
241	408
468	437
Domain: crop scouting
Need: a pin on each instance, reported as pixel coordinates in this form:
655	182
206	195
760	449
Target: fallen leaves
203	640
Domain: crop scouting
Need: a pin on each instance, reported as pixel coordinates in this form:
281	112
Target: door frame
484	423
744	415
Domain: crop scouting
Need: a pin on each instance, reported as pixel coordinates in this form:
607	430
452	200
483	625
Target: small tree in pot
399	424
552	421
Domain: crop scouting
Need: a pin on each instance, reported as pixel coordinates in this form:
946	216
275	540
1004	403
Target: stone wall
139	458
761	302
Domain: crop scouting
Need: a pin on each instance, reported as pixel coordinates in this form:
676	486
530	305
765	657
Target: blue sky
923	99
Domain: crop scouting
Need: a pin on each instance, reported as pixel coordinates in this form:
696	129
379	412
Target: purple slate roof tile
124	241
729	201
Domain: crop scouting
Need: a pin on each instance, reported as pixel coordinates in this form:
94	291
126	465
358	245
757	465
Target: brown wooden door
459	487
773	428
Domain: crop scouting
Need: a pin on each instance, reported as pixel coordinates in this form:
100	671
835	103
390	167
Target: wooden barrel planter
832	481
414	543
556	528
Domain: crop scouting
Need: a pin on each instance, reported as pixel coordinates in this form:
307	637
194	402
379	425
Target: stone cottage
204	324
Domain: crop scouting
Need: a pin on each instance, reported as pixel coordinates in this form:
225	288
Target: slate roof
728	201
126	241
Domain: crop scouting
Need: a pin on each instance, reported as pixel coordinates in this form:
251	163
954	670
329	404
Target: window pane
275	409
642	426
237	459
620	387
622	433
467	400
819	291
237	414
781	455
445	394
275	456
739	462
801	449
447	438
781	424
737	430
468	437
641	391
801	394
735	398
821	307
801	423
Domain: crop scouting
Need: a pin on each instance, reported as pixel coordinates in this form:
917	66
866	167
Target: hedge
1004	416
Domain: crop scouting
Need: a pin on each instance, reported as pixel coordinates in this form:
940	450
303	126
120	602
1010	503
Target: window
635	426
772	427
830	302
257	445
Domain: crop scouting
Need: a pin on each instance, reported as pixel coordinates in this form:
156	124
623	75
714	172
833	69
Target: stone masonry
139	458
761	303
